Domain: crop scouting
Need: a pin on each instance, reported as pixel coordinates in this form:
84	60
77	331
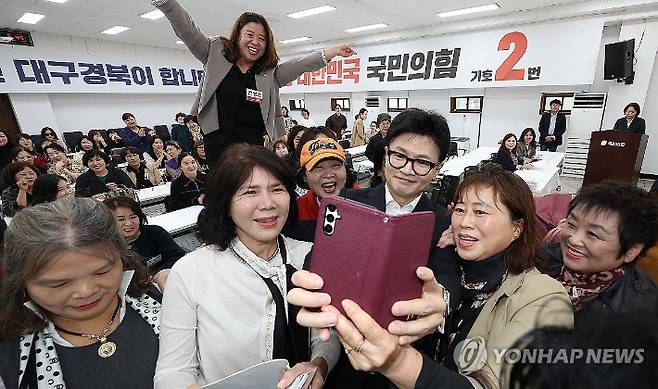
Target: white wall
76	112
33	112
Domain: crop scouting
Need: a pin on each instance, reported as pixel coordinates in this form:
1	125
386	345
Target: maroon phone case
370	257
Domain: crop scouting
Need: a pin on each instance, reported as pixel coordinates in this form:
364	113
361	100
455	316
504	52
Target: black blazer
185	193
560	128
504	159
638	125
88	184
157	249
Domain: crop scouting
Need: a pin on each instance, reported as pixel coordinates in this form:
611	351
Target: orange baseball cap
319	149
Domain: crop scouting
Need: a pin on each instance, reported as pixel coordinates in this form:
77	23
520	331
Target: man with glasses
416	146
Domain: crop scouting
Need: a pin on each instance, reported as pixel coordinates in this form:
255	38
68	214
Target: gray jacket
209	50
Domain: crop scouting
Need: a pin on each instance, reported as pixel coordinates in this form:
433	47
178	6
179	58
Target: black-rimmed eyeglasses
420	166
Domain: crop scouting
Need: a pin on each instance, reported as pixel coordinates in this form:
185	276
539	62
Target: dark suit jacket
638	125
504	159
560	127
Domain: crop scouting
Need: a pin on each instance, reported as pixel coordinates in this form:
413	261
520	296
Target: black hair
556	101
311	134
637	211
79	145
534	136
337	105
305	110
55	146
48	129
238	162
547	357
269	59
9	172
23	136
130	150
183	155
180	114
291	138
421	122
190	118
14	152
45	188
95	153
127	115
634	105
126	202
151	141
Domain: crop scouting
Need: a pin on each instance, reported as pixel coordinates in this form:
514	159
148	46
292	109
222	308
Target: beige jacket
209	50
522	303
358	133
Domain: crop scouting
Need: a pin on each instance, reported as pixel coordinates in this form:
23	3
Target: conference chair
36	142
116	156
72	138
452	150
163	132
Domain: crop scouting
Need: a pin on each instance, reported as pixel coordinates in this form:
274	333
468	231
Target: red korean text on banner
506	71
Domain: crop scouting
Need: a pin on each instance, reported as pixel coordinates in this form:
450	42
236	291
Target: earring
515	237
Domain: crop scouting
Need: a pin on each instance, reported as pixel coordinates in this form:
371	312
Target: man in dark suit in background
337	122
552	126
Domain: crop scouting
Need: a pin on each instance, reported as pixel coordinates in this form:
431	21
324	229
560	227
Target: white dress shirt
551	125
393	208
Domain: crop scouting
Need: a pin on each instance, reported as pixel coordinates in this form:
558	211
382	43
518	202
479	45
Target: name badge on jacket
255	96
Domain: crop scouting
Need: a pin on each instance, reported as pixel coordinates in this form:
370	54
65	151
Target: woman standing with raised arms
238	101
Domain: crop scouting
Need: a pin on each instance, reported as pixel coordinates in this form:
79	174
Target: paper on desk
264	375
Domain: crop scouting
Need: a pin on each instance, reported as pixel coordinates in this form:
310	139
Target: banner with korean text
548	54
101	67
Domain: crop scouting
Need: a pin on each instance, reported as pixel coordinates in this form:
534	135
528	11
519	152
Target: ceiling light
366	28
57	1
115	30
295	40
311	12
153	15
180	42
466	11
30	18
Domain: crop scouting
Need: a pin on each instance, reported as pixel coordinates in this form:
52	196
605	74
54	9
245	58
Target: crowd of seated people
88	279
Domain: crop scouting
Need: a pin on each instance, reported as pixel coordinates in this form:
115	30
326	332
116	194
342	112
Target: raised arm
290	70
185	28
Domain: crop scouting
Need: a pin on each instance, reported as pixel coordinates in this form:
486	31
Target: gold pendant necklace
106	348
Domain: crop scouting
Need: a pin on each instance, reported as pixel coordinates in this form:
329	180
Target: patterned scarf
48	368
582	287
